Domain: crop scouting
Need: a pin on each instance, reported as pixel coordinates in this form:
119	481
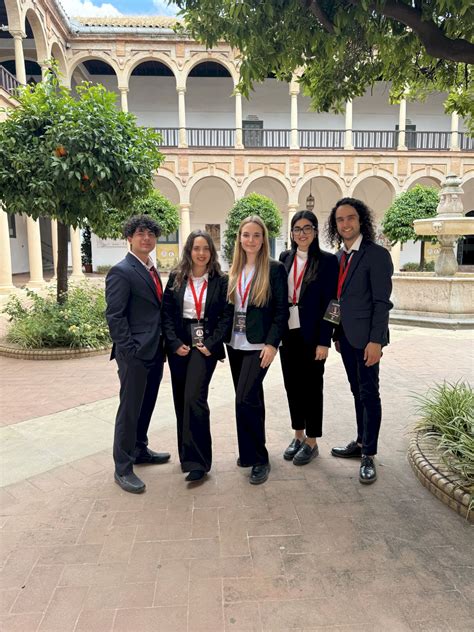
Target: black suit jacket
133	310
365	298
314	297
267	324
218	316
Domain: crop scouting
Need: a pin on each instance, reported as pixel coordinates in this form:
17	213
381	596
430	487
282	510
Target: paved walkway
312	549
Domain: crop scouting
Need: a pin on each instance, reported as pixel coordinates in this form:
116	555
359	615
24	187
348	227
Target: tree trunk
62	263
422	255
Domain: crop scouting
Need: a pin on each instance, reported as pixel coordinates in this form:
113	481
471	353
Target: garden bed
10	350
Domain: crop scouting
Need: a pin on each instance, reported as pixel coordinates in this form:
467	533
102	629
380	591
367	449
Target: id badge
294	320
333	312
240	322
197	334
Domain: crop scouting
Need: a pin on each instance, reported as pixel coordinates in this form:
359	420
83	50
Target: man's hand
204	350
267	356
321	352
183	350
372	353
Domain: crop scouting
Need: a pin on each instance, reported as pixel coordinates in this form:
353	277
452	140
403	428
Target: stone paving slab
312	549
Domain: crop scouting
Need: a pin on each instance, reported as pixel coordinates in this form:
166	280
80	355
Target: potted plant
86	249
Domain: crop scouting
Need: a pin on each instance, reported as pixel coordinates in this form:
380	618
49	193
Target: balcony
8	81
379	140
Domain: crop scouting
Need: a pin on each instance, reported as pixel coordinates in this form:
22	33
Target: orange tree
73	158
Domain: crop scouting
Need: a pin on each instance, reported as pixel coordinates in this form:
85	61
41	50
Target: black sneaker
351	451
305	454
292	449
367	472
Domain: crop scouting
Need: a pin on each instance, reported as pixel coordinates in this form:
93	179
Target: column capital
123	88
184	206
181	89
17	34
292	206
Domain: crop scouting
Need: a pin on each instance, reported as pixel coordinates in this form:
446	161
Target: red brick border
435	476
12	351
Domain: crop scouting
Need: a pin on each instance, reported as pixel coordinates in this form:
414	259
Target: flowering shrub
41	322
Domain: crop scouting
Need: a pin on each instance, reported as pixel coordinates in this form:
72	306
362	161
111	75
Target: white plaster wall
154	101
107	252
270	101
19	246
209	102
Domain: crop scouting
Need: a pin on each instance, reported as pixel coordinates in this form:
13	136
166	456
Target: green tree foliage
154	204
253	204
345	46
418	203
73	158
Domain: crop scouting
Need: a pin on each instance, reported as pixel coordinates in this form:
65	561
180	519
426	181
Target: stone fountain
445	298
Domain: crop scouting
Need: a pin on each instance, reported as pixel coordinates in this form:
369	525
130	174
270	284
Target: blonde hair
260	291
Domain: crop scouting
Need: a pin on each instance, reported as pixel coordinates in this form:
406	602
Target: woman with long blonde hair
258	288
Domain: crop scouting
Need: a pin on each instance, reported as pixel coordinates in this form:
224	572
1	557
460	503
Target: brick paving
312	549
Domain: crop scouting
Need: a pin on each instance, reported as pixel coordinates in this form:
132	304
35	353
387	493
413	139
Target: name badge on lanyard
333	311
240	317
197	329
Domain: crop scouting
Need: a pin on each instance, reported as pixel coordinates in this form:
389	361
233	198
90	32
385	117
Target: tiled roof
145	21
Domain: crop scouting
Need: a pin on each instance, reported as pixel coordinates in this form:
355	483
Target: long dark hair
365	218
314	250
184	267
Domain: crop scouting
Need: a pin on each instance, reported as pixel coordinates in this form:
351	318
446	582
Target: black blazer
133	310
218	316
267	324
365	298
314	298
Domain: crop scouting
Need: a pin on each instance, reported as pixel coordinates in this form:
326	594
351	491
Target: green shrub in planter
412	266
41	322
103	269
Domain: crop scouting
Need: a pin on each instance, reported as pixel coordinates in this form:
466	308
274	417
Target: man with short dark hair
362	307
133	292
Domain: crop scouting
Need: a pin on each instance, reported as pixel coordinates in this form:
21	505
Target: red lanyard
343	270
244	297
198	301
297	282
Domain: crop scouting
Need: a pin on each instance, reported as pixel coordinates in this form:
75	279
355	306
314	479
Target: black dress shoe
351	451
152	458
367	472
305	454
195	475
259	474
130	483
240	464
292	449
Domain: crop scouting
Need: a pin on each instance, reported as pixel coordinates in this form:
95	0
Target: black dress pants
190	378
364	383
303	379
139	384
248	375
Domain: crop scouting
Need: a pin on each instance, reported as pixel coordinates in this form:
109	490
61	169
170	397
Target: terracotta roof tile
145	21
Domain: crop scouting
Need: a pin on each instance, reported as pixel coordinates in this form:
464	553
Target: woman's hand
321	352
204	350
267	356
183	350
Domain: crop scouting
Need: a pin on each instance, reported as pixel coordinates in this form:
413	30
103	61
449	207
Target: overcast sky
92	8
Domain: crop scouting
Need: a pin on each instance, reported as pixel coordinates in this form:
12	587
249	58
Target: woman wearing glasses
196	320
312	284
258	290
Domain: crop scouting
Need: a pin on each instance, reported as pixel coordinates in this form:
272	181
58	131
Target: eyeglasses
306	230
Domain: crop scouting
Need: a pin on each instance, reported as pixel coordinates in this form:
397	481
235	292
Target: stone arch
210	173
15	22
151	83
270	173
58	53
168	187
96	55
426	180
326	192
166	60
377	192
214	57
39	34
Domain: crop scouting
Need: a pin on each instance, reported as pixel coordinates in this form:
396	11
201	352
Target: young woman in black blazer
258	291
312	284
196	320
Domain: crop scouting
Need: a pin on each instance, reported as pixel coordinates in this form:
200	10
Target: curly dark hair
185	265
365	218
141	222
314	250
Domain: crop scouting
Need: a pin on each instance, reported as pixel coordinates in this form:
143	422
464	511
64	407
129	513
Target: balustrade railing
427	140
196	137
374	139
266	138
321	138
8	81
466	143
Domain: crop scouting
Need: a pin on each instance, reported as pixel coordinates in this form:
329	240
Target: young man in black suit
362	309
134	293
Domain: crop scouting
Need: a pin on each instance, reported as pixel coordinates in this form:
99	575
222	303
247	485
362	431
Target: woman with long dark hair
312	284
196	320
258	291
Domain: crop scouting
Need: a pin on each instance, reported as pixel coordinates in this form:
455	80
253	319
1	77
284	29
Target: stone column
454	132
395	254
348	144
19	56
238	121
6	284
34	253
185	225
402	122
182	117
292	208
77	274
54	246
294	91
124	99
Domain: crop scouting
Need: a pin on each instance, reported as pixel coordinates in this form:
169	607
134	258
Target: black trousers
248	375
304	381
364	383
139	384
190	378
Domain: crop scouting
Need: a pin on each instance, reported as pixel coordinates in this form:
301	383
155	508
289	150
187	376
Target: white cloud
162	8
89	9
